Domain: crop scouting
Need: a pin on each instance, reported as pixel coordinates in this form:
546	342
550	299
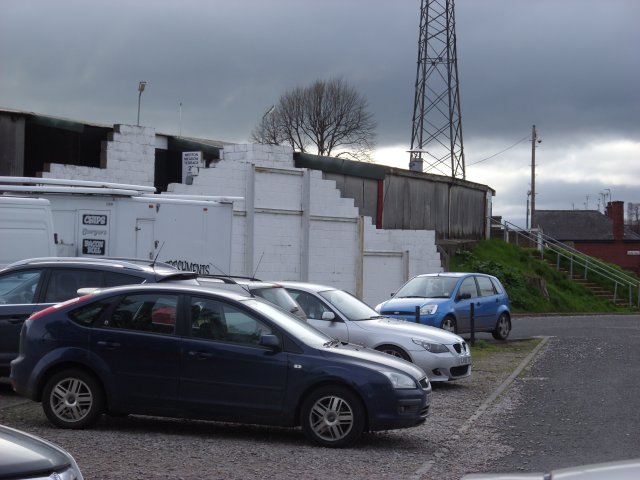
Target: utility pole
534	140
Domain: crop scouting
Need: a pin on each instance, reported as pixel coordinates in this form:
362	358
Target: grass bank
533	285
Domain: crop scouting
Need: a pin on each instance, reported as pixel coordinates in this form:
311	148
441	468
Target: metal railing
589	267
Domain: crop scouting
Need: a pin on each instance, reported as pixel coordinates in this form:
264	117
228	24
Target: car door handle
109	344
199	355
17	320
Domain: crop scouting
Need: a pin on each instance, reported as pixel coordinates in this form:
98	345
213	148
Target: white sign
633	252
190	163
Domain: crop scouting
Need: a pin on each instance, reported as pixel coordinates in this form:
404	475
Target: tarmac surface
578	403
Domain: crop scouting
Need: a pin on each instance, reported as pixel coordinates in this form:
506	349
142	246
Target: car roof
311	287
135	264
172	287
235	280
453	274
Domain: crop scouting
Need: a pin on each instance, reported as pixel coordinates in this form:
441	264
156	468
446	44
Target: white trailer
117	220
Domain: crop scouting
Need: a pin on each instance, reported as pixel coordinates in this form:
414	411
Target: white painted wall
291	225
128	156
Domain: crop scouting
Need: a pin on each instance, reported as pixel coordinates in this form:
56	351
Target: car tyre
449	324
503	327
394	351
72	399
332	416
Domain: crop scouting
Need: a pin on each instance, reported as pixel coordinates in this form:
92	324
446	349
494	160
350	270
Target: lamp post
141	86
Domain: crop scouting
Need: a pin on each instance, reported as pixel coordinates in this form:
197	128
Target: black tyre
503	327
394	351
332	416
449	324
72	399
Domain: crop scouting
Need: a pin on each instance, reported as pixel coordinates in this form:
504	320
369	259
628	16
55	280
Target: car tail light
57	306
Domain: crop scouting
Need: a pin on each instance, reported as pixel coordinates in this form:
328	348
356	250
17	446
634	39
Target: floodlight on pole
141	86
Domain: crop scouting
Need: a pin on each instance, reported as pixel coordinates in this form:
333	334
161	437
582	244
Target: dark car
34	284
194	352
25	456
445	300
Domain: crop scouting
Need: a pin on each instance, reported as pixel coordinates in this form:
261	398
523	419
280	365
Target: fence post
417	314
472	319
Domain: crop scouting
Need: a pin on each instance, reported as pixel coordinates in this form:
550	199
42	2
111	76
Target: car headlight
430	346
428	309
378	307
400	380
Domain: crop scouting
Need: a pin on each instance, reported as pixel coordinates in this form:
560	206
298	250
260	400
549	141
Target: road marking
482	408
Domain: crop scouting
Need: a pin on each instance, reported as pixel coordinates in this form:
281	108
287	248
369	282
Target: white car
442	355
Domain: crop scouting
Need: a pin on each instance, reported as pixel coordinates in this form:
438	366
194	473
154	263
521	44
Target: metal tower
436	136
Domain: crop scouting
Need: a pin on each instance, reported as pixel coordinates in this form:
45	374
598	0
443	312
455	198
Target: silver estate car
442	355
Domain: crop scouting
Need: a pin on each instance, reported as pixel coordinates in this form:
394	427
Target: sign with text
94	231
190	163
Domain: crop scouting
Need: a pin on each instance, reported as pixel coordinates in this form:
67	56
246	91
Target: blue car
444	300
194	352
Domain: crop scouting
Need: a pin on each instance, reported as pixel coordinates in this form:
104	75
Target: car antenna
225	274
258	265
155	259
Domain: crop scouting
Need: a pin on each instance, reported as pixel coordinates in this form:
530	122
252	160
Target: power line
501	152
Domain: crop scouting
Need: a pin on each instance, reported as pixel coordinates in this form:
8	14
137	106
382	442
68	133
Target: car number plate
466	360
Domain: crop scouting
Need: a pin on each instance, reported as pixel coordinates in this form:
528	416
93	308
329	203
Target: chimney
615	211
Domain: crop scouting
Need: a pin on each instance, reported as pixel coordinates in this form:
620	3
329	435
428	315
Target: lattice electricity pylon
436	136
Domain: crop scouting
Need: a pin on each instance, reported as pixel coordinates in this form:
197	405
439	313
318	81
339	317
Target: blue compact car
444	300
195	352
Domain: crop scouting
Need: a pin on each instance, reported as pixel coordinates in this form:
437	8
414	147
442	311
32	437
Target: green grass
483	348
526	278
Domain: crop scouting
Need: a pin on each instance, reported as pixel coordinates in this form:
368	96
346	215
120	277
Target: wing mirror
463	296
328	316
270	341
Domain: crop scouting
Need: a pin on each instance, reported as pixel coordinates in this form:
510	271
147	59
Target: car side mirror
270	341
463	296
328	316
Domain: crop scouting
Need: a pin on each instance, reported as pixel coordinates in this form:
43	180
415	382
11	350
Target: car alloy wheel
503	327
393	351
332	417
449	324
72	399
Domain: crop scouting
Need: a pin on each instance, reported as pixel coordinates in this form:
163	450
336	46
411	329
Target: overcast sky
571	67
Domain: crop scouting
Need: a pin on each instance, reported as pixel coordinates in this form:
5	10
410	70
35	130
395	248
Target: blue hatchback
194	352
445	300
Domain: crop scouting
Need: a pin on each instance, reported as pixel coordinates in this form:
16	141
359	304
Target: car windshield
428	287
348	305
299	329
279	296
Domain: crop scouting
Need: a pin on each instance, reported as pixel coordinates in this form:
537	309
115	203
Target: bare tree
330	116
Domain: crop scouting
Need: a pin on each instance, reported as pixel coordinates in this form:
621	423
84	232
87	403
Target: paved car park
521	430
154	448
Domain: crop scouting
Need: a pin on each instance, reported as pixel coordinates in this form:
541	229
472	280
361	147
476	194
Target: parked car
618	470
444	300
225	357
25	456
443	355
34	284
271	291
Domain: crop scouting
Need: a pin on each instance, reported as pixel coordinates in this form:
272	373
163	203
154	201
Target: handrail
573	256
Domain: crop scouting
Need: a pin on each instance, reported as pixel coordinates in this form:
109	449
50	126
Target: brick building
603	236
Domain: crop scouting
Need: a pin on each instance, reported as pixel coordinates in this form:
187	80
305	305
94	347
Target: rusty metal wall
454	208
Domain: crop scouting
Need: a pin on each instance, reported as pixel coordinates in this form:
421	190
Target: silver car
442	355
23	455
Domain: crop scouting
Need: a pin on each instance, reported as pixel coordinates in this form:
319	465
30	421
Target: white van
26	229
